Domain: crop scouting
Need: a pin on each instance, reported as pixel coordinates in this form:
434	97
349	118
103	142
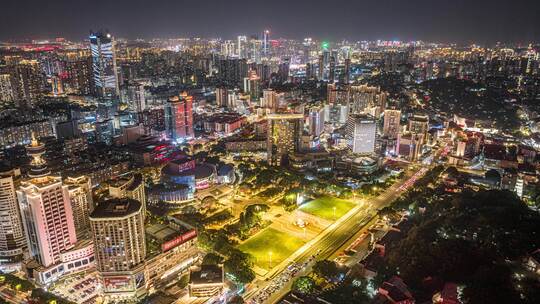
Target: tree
212	259
238	265
183	282
326	269
304	285
350	292
491	284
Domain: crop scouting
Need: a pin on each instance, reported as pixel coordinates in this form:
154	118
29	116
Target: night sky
462	21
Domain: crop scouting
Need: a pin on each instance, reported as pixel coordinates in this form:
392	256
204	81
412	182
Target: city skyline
483	22
254	152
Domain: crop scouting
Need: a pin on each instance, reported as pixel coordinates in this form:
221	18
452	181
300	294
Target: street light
270	256
334	208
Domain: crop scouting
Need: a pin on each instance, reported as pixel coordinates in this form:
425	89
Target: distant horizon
483	22
233	38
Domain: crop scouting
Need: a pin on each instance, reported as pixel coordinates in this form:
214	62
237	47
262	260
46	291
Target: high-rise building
232	97
12	239
46	211
136	96
409	145
347	71
316	121
80	197
228	48
361	131
320	70
104	70
221	97
325	62
332	67
252	85
79	75
283	71
29	80
120	248
284	135
130	186
367	100
418	124
179	117
391	125
232	71
256	47
266	43
242	48
7	92
270	99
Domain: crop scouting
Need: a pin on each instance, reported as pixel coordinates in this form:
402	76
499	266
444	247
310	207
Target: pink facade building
46	213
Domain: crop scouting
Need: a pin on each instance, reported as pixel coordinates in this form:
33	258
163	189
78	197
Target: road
336	235
12	296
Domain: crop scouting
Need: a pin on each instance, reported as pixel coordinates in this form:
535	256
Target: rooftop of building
200	171
163	233
116	208
208	274
134	180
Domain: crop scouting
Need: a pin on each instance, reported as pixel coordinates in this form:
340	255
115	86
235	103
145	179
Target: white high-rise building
12	239
228	48
242	48
120	248
316	121
362	131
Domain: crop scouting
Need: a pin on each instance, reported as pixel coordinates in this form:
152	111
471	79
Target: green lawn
270	242
323	207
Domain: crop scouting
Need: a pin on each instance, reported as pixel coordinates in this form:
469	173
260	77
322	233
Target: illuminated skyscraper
242	48
80	196
256	47
120	248
316	121
252	85
284	135
361	131
28	79
46	211
332	67
221	97
7	92
179	117
228	48
266	42
347	71
104	64
320	70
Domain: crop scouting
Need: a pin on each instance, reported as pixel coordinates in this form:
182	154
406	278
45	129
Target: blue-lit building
104	64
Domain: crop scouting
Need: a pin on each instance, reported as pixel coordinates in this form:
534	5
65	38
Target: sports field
270	247
323	207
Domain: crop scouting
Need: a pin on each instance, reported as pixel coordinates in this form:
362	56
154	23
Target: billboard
179	240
